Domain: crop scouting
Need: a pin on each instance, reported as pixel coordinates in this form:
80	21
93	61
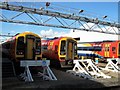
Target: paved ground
65	80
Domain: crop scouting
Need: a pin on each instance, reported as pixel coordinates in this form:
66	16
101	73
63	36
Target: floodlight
104	16
81	11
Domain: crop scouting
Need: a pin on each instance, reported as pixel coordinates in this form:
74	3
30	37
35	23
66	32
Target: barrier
112	65
78	70
87	69
47	73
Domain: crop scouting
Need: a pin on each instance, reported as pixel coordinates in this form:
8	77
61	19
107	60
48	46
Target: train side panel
110	49
50	49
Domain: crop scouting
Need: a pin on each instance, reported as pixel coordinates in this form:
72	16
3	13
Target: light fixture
47	4
41	8
81	11
104	16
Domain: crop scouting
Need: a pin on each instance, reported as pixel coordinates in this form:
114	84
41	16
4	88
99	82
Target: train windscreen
119	49
63	48
75	47
38	46
20	45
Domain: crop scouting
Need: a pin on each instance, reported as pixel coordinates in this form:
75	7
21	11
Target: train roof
99	41
60	38
26	33
21	34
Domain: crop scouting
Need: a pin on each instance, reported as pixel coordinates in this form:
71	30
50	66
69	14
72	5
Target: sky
96	9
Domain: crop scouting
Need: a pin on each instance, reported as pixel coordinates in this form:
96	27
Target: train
60	50
105	49
23	46
29	46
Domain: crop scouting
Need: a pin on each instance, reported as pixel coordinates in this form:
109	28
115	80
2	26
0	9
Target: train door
70	50
30	48
106	52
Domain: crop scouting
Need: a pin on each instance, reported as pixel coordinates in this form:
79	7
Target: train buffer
86	68
47	74
112	65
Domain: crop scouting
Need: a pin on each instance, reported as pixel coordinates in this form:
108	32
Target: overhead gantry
57	19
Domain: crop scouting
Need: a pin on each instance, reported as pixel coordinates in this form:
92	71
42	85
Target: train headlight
20	52
37	53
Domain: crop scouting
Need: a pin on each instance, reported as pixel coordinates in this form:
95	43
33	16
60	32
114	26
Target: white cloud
91	36
51	33
84	35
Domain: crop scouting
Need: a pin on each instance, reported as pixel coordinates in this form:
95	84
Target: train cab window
20	45
63	48
119	48
113	48
75	49
44	47
38	46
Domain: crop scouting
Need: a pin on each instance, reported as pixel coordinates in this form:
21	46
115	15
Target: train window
44	47
106	48
20	43
119	48
63	47
113	48
38	44
75	49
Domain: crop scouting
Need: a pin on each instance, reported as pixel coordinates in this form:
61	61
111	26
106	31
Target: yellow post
82	57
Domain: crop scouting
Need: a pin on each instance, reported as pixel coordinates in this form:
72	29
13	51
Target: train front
28	46
67	51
